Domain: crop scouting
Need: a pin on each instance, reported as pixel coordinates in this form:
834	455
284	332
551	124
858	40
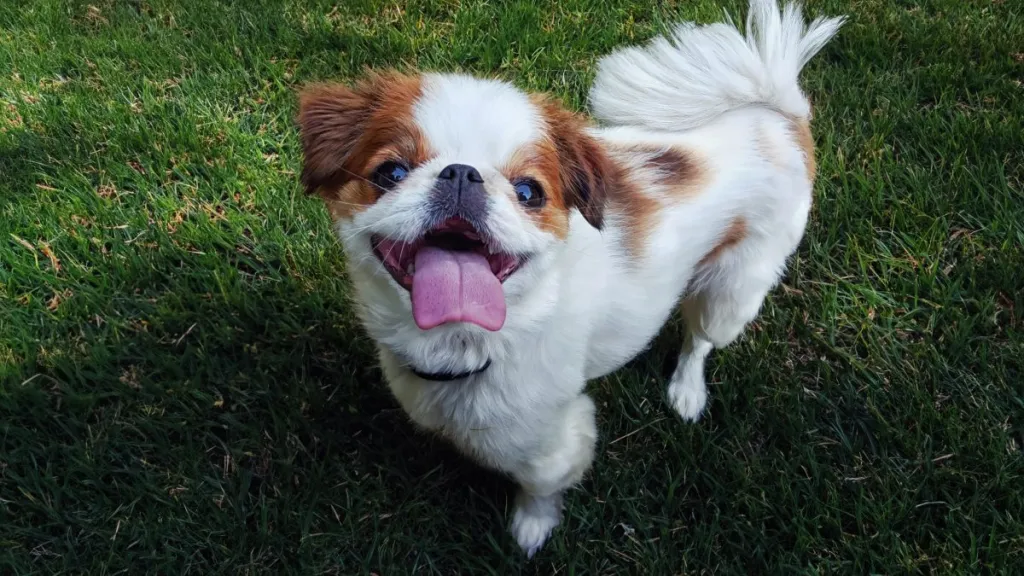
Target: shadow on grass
24	156
259	409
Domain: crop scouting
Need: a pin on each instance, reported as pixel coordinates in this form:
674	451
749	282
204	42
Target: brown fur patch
674	171
347	132
734	234
671	166
677	168
766	146
640	211
680	171
802	132
540	161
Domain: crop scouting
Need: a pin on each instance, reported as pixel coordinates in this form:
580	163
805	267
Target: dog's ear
585	171
332	118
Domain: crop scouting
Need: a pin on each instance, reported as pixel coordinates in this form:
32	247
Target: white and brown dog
503	252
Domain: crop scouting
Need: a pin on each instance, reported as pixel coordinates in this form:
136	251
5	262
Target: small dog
503	252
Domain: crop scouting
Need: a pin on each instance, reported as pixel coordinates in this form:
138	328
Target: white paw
688	396
533	521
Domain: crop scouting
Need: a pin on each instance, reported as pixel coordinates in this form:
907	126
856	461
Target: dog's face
452	192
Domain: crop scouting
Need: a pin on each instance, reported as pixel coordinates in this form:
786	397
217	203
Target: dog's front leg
566	452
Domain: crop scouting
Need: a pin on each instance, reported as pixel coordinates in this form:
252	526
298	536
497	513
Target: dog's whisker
351	232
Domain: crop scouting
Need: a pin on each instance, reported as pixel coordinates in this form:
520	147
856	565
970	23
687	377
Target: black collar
449	376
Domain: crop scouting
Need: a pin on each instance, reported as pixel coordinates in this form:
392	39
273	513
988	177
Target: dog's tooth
410	268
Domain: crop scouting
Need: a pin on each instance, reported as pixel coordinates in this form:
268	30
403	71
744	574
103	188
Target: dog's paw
531	532
534	519
688	397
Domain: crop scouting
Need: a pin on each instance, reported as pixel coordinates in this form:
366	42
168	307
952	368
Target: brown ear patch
586	174
345	129
331	119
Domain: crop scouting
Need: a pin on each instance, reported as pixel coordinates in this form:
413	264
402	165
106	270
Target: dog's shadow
266	401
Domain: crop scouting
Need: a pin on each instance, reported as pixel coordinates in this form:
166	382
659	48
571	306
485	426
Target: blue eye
529	193
389	174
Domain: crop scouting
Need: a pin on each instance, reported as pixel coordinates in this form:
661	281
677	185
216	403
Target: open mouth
453	274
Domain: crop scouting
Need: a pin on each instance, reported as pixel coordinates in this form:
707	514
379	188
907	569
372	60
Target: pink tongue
456	287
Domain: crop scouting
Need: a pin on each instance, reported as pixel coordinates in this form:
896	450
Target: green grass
183	387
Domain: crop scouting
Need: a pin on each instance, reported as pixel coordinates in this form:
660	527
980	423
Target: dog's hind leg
727	295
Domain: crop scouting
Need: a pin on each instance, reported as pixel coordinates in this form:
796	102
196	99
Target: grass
183	387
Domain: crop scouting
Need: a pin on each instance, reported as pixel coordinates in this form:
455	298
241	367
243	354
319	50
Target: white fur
475	121
584	306
701	72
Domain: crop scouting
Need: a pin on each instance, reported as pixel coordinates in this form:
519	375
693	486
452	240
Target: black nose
460	173
459	193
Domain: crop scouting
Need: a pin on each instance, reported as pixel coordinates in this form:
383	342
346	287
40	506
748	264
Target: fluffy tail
700	72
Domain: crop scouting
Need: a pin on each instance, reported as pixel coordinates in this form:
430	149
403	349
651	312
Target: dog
503	251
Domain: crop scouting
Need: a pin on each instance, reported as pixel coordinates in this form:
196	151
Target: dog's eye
389	174
529	193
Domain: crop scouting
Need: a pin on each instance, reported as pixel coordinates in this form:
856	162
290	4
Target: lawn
184	388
